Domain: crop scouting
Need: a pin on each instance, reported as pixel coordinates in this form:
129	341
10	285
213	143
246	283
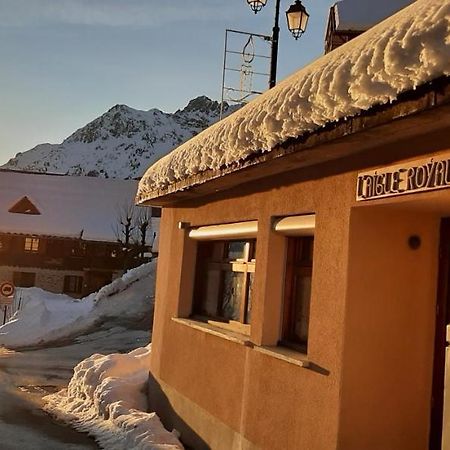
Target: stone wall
49	280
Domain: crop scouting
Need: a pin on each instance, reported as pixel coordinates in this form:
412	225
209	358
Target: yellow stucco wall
371	325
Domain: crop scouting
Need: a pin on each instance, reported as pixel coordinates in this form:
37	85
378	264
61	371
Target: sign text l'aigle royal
416	176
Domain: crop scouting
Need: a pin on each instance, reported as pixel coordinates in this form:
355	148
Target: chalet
349	18
302	296
60	233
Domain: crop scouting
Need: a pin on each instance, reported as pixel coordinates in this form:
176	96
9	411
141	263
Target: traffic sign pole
7	289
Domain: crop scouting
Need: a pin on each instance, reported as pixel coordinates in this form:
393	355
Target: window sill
282	353
231	325
285	354
215	330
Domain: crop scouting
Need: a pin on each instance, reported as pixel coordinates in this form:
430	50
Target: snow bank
46	317
120	284
106	397
401	53
129	298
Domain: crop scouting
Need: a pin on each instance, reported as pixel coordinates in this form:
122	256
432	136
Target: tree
133	230
125	225
143	224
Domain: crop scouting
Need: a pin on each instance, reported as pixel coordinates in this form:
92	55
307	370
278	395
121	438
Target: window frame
224	234
296	230
31	244
296	270
222	263
77	284
18	279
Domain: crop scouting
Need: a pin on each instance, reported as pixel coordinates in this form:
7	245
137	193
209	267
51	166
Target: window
299	232
224	280
156	212
24	279
297	293
73	284
5	243
31	244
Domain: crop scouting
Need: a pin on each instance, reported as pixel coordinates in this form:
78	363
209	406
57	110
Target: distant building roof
67	206
360	15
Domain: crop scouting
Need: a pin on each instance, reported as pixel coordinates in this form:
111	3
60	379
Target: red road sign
7	289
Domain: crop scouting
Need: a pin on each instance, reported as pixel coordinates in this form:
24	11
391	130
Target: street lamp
256	5
297	20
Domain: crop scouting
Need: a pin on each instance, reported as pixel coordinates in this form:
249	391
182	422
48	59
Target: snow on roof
361	15
68	205
397	55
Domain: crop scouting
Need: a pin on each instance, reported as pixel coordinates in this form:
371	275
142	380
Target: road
27	376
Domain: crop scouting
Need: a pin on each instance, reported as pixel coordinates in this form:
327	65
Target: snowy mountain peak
202	104
120	120
119	108
122	142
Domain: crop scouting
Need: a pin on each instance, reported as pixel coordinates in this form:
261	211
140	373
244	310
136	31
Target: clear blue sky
64	62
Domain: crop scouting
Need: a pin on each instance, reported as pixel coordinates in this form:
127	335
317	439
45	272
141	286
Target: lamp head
257	5
297	19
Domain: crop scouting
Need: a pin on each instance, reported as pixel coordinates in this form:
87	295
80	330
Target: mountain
122	142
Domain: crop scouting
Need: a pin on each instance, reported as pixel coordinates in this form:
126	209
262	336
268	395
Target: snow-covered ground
106	396
26	376
45	317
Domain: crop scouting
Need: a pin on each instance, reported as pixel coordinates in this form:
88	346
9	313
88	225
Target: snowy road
27	376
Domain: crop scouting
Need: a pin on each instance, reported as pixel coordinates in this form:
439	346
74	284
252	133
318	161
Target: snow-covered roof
404	51
68	205
360	15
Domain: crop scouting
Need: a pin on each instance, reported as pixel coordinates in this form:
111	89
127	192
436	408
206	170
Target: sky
65	62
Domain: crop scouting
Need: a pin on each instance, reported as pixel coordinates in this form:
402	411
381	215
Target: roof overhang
415	113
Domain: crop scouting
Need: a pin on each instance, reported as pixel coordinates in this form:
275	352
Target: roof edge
426	97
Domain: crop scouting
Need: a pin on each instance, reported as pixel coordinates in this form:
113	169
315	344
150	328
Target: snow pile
128	299
106	397
399	54
120	284
45	317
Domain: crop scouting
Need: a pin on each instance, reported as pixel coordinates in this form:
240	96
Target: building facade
349	18
65	234
61	265
302	291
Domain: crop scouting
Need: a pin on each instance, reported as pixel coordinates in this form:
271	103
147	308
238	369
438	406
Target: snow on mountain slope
122	142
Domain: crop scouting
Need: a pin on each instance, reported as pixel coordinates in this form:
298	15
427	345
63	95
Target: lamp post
297	20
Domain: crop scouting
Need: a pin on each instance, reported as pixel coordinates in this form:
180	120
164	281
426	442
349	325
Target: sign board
408	178
7	289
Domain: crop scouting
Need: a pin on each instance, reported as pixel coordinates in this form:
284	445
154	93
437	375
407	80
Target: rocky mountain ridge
122	142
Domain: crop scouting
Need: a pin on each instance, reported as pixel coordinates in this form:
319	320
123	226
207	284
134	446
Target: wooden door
439	370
